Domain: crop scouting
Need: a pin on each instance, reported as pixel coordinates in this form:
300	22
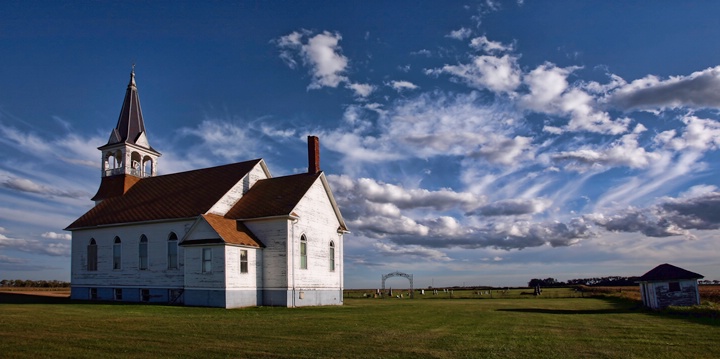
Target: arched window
172	251
117	253
147	165
135	164
92	255
303	252
332	256
143	251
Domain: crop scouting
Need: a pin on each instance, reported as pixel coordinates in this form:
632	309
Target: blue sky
477	143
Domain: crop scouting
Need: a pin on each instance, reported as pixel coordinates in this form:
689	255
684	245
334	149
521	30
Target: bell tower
127	157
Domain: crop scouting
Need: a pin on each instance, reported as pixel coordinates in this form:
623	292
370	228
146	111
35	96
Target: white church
228	236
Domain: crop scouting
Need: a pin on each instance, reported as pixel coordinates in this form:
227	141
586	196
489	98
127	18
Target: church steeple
127	152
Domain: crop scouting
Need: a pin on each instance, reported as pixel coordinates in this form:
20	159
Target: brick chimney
313	154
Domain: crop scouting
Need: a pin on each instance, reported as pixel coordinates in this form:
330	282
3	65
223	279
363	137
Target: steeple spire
130	125
127	152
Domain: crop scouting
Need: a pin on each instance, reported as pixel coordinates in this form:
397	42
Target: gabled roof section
174	196
271	197
668	272
130	125
231	231
279	196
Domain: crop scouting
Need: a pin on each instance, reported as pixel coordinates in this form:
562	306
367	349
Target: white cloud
51	248
361	90
626	151
699	135
321	53
410	252
498	74
67	147
551	93
402	85
483	44
697	209
53	235
28	186
700	89
514	207
460	34
229	140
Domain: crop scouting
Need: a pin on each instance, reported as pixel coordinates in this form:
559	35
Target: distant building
227	236
667	285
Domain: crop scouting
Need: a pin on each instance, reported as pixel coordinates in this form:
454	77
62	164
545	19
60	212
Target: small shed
667	285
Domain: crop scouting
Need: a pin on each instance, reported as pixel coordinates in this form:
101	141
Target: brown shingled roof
668	272
179	195
270	197
231	231
114	186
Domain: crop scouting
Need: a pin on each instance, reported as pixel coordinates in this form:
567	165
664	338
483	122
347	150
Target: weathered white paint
156	275
317	220
239	189
274	276
656	295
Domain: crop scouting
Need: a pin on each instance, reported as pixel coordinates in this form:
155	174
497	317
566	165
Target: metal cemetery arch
399	274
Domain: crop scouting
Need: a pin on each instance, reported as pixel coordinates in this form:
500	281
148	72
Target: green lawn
367	328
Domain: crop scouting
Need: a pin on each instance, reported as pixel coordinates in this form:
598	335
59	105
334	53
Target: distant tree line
20	283
597	281
611	281
708	281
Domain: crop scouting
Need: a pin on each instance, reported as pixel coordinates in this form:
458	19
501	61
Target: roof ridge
205	169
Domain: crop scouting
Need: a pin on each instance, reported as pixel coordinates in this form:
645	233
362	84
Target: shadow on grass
26	298
619	306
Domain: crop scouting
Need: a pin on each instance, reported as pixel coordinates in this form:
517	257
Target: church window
143	251
332	256
92	255
243	261
207	260
117	253
172	251
303	252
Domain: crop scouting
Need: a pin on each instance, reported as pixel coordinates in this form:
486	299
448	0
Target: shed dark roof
179	195
668	272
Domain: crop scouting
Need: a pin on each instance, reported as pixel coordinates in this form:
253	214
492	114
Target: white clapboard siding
156	275
238	190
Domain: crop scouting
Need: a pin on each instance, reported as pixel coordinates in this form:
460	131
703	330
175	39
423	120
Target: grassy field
32	327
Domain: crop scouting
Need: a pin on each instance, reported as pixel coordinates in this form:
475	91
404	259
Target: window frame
243	261
92	258
143	253
93	294
303	252
331	256
206	262
117	254
172	251
117	294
